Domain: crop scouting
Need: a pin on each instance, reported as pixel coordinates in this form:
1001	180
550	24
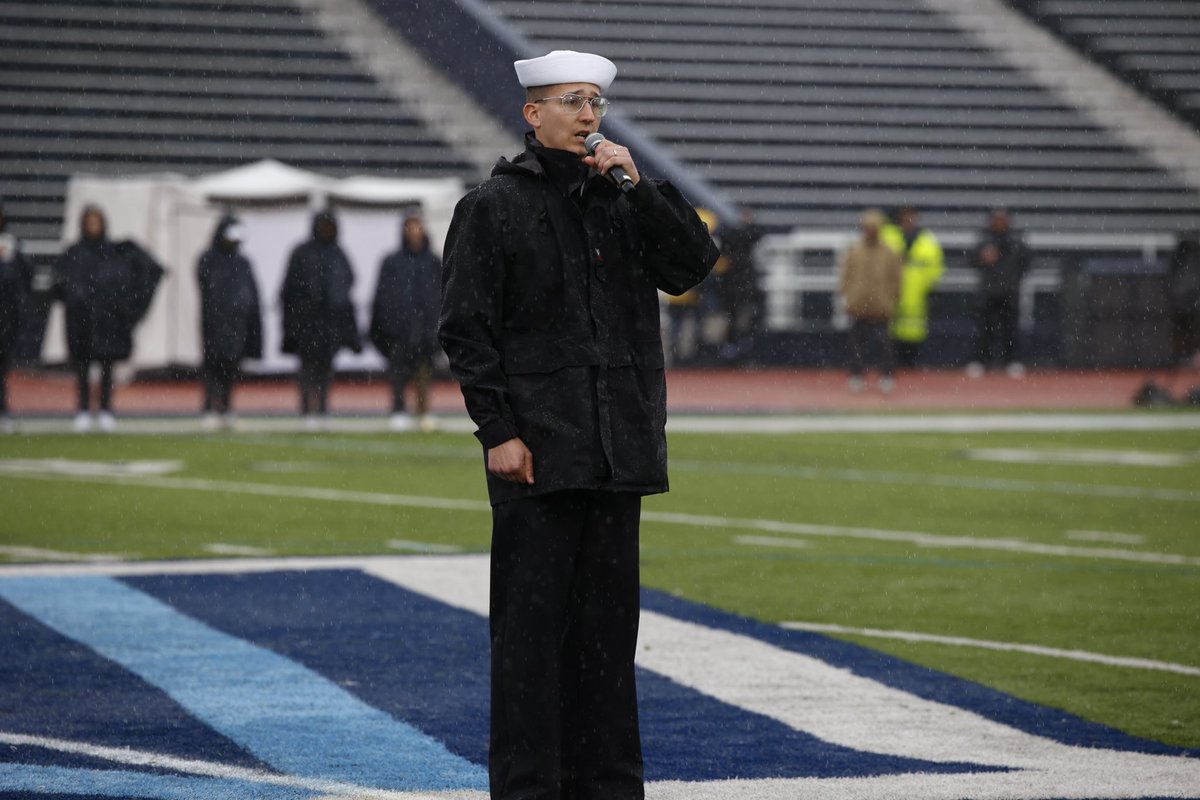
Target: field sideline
1062	568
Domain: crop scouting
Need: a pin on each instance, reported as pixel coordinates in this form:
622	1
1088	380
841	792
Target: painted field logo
368	678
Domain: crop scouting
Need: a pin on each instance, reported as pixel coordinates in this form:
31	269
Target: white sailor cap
566	66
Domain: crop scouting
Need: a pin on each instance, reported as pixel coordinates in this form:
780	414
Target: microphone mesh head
592	142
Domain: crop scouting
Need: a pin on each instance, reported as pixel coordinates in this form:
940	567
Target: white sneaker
7	425
886	385
975	370
857	384
1016	370
228	421
401	422
427	423
210	421
311	423
106	421
83	422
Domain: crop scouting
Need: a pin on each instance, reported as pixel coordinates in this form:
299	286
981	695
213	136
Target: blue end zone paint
915	679
55	687
125	784
292	718
427	664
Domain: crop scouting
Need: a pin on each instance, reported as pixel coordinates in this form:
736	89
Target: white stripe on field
1106	536
931	423
838	706
43	554
986	644
691	520
912	537
212	769
222	549
423	547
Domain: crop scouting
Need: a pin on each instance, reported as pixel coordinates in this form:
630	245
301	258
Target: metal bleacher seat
136	86
1154	45
810	110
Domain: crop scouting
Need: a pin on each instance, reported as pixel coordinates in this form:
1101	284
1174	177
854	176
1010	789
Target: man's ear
533	114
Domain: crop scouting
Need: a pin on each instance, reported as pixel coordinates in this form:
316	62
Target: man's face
870	231
556	126
999	222
93	226
908	221
414	233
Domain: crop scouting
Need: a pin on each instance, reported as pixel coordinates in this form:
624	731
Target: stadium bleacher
810	110
186	86
1153	45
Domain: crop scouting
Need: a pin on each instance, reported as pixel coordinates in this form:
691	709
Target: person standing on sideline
318	315
404	321
550	319
16	274
1002	260
106	288
924	264
740	285
230	319
870	286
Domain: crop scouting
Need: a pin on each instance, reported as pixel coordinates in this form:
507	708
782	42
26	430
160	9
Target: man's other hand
511	461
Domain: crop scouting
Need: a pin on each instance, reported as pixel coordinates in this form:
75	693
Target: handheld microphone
616	174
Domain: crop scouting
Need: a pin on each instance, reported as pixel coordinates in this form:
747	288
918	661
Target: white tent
174	218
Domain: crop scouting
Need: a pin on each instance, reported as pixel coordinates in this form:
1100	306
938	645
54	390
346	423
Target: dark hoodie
550	318
405	312
16	273
106	289
318	314
230	317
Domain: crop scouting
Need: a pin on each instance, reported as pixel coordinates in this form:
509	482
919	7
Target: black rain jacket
16	274
318	314
230	312
404	316
1002	279
550	319
106	289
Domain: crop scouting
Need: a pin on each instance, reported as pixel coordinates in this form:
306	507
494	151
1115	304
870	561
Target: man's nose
586	113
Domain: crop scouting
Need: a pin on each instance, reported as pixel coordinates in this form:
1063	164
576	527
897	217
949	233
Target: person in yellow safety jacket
685	312
924	265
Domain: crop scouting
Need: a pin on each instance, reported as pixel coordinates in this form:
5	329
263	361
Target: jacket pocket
529	353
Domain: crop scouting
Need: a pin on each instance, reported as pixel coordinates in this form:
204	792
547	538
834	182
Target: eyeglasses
575	102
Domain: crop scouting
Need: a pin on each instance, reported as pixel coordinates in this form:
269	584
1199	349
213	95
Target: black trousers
219	377
3	384
315	376
907	353
997	325
83	384
871	345
564	622
405	369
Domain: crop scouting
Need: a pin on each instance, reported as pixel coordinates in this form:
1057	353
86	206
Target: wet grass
917	483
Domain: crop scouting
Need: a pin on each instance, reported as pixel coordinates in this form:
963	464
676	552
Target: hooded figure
106	289
318	314
404	318
15	277
230	315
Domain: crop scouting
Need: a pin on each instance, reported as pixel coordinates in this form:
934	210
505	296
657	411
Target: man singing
550	320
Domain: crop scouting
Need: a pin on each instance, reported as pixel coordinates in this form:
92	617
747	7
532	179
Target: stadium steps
809	110
1152	45
1132	118
188	86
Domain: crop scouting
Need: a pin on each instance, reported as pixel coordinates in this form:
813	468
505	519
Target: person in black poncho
106	288
230	318
15	277
318	315
404	320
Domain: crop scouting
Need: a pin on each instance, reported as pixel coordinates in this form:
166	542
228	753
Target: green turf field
1058	540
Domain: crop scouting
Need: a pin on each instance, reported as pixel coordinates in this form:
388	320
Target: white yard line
1106	536
911	537
1032	649
222	549
691	520
423	547
43	554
